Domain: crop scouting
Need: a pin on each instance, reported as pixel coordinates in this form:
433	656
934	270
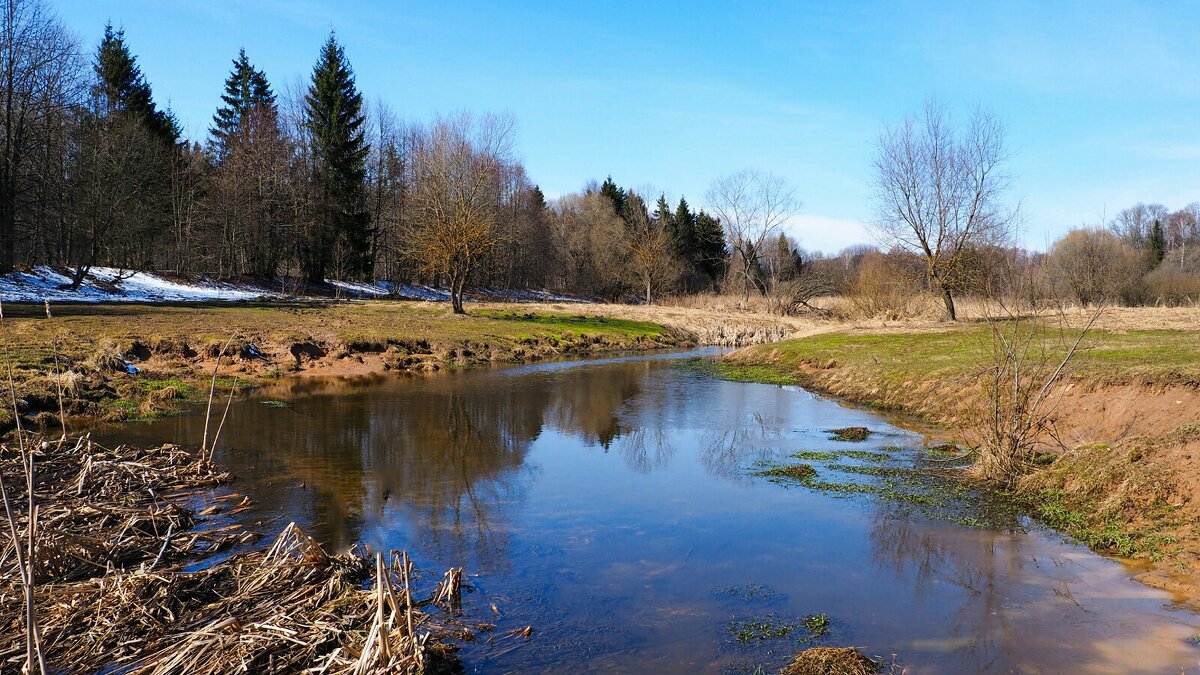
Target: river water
613	506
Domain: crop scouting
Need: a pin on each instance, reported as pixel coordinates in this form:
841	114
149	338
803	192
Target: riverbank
1119	471
129	361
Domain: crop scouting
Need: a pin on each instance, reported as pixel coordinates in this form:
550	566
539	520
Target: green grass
796	472
755	630
1106	535
735	372
565	325
897	358
830	455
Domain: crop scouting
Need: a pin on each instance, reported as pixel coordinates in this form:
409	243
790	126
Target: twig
212	390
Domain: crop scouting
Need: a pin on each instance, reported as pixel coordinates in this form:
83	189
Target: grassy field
1106	355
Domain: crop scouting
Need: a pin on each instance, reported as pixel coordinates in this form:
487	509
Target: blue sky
1101	100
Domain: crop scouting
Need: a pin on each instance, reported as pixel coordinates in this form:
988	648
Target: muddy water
612	506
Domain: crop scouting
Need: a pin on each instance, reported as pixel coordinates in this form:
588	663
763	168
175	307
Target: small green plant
791	471
760	629
817	625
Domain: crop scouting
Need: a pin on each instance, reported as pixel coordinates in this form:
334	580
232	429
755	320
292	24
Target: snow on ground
109	284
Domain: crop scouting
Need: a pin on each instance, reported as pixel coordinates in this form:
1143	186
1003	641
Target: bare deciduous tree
39	80
458	171
752	207
939	192
652	259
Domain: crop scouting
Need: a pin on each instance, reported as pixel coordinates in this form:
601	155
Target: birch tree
753	207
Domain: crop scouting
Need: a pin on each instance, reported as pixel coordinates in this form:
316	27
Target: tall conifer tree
246	90
122	87
333	118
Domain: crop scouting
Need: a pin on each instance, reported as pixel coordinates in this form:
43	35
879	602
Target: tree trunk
8	223
456	293
648	292
948	299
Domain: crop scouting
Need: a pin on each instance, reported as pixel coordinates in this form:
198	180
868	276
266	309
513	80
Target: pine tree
616	195
711	251
333	118
122	87
1158	243
683	235
246	90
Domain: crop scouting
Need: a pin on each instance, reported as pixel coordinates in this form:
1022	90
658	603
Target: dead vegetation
831	661
102	560
290	608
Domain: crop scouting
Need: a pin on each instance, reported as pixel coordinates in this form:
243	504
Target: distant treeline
305	187
299	188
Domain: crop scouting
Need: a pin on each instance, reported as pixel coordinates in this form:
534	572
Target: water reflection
603	503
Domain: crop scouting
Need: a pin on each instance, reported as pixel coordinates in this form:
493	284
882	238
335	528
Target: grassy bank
1121	468
174	348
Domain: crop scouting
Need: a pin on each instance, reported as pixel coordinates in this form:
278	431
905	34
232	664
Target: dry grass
831	661
111	533
287	609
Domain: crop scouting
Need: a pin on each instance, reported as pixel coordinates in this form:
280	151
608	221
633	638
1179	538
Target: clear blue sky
1102	100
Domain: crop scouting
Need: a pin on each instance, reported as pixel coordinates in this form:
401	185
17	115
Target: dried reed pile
102	509
111	530
290	608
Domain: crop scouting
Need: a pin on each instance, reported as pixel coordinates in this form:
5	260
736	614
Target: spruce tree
683	234
1158	243
617	196
333	118
246	90
122	87
710	238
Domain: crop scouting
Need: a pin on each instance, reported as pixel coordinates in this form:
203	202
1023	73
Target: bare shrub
1026	358
1094	266
1177	281
883	289
793	296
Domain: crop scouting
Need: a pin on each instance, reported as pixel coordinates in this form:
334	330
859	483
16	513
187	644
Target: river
613	506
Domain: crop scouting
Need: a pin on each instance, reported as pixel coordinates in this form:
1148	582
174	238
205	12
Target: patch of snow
359	288
422	292
109	284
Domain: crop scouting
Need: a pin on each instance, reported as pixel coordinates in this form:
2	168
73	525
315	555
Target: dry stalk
26	553
212	390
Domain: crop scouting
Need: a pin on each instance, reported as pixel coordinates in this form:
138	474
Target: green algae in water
796	472
756	630
750	592
830	455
